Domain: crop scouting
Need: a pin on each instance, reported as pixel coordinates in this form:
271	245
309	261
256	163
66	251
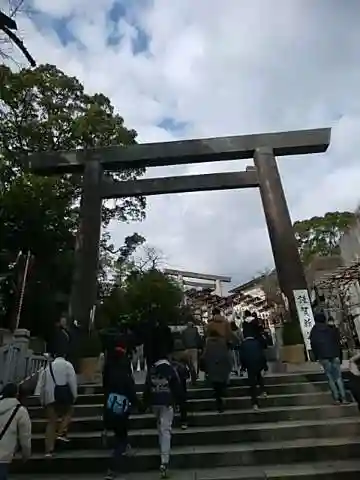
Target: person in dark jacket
60	341
217	365
326	347
337	335
182	369
163	392
120	397
192	342
252	360
253	328
180	355
157	340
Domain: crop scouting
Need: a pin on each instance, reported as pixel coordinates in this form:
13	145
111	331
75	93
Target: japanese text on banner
305	313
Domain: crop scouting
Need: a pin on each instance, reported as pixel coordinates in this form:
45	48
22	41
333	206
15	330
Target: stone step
235	403
332	470
197	457
206	393
213	419
196	436
270	379
347	470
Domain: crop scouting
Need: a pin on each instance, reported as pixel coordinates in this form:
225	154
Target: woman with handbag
58	391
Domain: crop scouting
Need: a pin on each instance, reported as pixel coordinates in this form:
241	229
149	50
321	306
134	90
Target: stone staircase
298	433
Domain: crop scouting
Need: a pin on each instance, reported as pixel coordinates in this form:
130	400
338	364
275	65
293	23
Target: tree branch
19	44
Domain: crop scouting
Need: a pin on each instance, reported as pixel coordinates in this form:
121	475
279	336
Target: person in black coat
120	397
158	341
60	340
326	347
252	360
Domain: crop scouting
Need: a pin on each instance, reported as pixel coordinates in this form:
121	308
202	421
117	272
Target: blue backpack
118	404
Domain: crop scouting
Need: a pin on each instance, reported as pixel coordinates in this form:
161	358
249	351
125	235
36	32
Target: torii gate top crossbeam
181	152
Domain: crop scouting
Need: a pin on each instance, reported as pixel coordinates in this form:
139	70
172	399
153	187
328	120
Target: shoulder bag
9	422
62	393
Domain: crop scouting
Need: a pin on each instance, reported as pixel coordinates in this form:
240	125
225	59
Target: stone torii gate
263	148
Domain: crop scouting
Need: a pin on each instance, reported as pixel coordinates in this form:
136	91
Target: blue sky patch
141	43
59	25
116	12
171	124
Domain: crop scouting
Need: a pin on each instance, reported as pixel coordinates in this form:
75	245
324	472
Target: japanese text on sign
305	313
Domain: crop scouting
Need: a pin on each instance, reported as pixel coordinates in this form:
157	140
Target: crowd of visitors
171	360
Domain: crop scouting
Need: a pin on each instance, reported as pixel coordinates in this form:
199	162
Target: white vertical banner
305	314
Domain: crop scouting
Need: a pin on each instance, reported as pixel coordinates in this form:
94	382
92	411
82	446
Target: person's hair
216	311
60	354
60	317
10	390
320	317
247	313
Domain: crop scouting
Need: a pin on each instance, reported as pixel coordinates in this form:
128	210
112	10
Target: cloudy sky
179	69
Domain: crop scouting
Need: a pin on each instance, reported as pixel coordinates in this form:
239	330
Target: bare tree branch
7	25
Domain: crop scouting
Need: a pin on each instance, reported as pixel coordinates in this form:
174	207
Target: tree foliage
320	236
44	109
141	291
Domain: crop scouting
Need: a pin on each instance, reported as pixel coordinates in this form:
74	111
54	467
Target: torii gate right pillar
288	264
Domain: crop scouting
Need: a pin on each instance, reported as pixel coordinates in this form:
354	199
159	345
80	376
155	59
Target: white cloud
228	67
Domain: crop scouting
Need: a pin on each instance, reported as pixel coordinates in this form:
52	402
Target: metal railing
17	367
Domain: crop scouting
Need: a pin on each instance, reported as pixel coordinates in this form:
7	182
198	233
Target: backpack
118	405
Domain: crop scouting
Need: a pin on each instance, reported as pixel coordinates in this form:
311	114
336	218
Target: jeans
193	355
164	416
333	372
354	385
120	427
4	467
255	380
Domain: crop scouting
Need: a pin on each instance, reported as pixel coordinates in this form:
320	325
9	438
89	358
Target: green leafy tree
44	109
140	289
320	236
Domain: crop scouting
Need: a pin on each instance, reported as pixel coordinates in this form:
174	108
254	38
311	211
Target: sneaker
164	471
110	475
263	395
129	452
256	408
337	402
49	455
184	426
104	439
62	438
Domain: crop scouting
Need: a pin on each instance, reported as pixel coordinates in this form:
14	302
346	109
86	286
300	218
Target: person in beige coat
15	428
